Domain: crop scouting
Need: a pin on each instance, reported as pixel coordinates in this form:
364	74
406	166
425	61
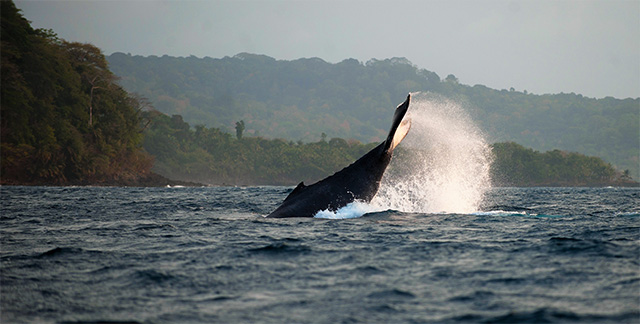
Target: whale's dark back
358	181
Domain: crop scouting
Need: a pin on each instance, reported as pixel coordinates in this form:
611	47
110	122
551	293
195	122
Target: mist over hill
302	99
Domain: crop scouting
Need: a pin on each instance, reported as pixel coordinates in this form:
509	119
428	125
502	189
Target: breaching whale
359	181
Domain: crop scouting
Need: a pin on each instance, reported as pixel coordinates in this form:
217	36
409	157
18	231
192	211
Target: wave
507	212
552	315
632	214
100	322
65	251
287	246
152	276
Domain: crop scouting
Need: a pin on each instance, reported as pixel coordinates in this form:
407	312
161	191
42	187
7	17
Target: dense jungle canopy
65	120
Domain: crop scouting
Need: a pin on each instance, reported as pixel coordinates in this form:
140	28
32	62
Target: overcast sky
587	47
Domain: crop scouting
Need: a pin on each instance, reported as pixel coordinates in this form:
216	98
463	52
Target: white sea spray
443	164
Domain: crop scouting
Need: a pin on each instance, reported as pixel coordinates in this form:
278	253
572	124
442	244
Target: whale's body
359	181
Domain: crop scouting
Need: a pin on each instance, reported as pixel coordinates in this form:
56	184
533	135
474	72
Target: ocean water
207	255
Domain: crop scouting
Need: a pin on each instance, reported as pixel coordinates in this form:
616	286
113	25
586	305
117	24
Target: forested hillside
301	99
64	119
209	155
515	165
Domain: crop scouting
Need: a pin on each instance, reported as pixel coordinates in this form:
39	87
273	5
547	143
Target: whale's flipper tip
400	134
399	127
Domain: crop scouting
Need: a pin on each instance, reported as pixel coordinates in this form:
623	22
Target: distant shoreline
150	180
157	181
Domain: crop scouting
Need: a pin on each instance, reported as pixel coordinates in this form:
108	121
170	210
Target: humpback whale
359	181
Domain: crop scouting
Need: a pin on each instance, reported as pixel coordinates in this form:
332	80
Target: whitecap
352	210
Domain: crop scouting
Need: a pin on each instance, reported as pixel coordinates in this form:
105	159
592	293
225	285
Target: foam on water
505	213
352	210
443	164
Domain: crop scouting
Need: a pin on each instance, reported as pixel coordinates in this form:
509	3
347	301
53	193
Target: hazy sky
586	47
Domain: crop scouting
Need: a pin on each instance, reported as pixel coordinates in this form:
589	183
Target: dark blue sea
207	255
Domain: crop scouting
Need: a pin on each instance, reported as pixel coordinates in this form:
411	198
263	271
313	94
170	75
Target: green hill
212	156
64	120
301	99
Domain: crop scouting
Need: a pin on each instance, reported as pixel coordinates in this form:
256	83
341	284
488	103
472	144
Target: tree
91	64
239	129
451	79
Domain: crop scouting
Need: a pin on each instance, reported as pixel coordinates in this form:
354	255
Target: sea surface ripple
207	255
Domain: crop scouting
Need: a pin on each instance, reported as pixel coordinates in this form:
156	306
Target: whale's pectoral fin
296	191
400	134
399	127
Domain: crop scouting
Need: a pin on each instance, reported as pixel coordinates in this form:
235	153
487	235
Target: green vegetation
212	156
208	155
304	98
64	119
515	165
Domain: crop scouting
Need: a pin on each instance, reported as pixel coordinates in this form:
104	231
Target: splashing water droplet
442	165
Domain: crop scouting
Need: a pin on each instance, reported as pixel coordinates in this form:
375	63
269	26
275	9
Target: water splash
442	165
